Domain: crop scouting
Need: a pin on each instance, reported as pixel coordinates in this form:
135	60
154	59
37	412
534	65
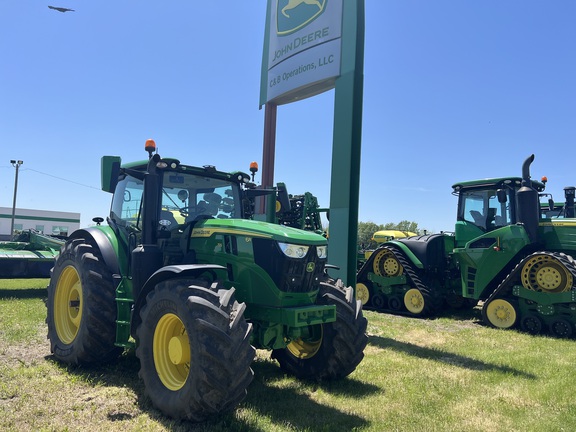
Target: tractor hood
251	228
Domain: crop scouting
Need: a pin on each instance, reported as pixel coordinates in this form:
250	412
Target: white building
45	221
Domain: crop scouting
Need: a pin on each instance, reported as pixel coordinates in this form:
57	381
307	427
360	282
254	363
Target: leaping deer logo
295	3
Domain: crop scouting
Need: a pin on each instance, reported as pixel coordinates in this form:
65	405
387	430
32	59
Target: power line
59	178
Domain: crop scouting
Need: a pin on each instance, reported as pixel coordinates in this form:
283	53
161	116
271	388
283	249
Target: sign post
312	46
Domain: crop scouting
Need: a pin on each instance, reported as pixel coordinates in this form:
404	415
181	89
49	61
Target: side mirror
283	198
502	196
110	170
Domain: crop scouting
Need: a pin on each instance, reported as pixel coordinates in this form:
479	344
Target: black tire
210	371
532	324
335	348
561	328
81	306
378	301
395	303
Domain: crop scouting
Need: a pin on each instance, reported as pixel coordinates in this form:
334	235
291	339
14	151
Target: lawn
445	374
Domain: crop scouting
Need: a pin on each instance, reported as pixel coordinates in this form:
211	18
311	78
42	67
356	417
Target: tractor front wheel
194	349
332	350
81	306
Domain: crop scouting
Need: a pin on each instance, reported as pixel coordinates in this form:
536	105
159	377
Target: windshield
481	208
185	198
188	197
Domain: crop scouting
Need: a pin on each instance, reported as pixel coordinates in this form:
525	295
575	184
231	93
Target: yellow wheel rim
171	352
362	293
545	273
501	313
414	301
386	264
305	349
68	305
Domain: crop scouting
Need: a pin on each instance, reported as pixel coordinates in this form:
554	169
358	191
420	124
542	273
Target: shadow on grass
289	403
285	400
25	293
122	372
443	356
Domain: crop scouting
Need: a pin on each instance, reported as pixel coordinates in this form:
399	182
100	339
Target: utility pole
15	164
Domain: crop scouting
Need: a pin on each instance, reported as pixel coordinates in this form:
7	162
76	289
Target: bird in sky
61	9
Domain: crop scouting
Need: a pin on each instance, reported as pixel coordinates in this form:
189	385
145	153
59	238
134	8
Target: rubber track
429	307
504	290
506	286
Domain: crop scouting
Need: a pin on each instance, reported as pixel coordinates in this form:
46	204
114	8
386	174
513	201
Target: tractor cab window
189	197
482	208
126	203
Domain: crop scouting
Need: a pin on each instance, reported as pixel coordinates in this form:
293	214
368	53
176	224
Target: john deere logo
310	267
292	15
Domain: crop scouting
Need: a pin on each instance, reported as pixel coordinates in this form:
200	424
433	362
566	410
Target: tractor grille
289	274
471	280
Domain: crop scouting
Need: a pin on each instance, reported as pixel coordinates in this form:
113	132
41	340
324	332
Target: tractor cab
486	205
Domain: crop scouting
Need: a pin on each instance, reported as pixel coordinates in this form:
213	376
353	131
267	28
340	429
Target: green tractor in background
180	275
502	252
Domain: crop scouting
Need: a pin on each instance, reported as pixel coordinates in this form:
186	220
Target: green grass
444	374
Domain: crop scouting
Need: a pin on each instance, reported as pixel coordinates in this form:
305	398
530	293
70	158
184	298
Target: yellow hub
501	313
306	349
172	352
414	301
386	264
68	305
546	273
362	293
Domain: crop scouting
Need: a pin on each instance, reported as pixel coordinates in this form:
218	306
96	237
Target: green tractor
503	253
182	277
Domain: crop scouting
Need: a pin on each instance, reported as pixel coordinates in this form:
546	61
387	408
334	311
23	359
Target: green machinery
30	255
182	276
502	253
303	212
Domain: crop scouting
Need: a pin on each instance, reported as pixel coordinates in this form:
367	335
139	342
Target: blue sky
453	90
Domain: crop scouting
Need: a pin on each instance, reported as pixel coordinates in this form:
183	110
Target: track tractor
502	252
180	275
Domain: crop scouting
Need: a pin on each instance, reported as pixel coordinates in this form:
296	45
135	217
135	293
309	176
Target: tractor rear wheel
332	350
81	306
386	264
545	272
194	349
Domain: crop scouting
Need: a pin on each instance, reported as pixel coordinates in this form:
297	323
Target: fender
409	254
165	273
107	244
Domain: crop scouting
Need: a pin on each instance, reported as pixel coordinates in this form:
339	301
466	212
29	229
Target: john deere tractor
180	275
502	252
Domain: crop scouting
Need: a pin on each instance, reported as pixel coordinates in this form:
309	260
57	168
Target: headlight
322	251
294	251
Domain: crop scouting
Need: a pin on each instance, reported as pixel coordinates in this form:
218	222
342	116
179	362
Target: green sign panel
302	49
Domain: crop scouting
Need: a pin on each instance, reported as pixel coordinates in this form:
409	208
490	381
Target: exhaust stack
528	205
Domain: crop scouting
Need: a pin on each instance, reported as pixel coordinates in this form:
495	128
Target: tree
365	232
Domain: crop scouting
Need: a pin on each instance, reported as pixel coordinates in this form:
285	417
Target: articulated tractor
503	253
181	275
